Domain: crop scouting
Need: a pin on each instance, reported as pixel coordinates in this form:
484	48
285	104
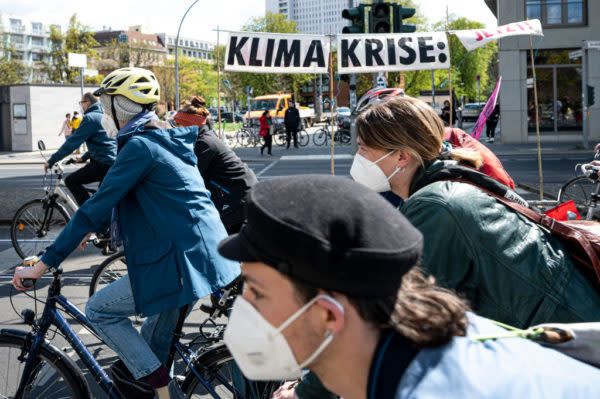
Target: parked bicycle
35	368
38	222
584	190
247	136
323	136
280	136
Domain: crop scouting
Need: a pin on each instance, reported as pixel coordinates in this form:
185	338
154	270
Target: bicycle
583	190
37	223
280	136
323	135
37	369
248	136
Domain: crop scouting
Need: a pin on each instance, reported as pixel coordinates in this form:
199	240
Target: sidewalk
252	154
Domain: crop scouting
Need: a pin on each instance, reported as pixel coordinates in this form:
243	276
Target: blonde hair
408	124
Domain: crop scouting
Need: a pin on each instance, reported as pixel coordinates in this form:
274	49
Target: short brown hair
196	105
90	98
423	312
408	124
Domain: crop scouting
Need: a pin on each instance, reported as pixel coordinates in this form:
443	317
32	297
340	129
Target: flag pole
331	96
537	121
219	84
449	68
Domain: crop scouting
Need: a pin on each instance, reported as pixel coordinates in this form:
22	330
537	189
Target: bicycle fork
595	196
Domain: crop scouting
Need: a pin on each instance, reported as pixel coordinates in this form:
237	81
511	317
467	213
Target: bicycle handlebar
587	168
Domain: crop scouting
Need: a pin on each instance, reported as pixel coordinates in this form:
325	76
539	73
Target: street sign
575	54
530	83
381	80
90	72
248	89
77	60
595	44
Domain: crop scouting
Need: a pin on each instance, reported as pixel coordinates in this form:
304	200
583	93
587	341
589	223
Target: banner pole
219	84
451	122
537	121
331	97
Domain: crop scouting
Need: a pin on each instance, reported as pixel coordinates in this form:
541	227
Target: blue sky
160	16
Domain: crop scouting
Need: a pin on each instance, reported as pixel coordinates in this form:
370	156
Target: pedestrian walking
292	122
446	113
353	308
101	154
76	120
225	175
266	130
491	123
66	127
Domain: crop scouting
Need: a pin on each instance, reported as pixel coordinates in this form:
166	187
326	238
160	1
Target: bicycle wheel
242	137
345	137
113	268
320	137
28	234
56	376
303	138
578	189
216	367
280	138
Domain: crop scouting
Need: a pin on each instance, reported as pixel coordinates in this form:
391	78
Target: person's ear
403	158
333	314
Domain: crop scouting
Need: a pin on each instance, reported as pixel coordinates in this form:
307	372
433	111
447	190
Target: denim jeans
108	312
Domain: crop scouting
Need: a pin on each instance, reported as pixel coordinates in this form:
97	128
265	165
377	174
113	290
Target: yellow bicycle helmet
137	84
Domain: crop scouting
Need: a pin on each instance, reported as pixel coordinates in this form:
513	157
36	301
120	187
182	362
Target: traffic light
380	18
401	13
357	18
591	100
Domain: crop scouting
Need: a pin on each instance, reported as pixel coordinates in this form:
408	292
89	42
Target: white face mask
369	174
260	350
108	124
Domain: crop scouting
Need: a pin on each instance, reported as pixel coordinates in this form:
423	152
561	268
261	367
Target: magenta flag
486	112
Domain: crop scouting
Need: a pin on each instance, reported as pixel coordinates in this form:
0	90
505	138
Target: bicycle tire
57	373
303	138
280	138
110	270
219	361
24	232
242	137
320	137
578	189
345	137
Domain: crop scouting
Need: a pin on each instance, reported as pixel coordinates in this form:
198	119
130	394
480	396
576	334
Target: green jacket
510	269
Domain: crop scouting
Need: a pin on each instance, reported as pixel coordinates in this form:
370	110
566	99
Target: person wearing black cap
335	289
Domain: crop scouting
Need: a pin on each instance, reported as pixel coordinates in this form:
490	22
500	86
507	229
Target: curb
536	191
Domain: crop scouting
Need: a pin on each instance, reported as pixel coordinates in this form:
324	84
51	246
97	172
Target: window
36	57
37	41
557	12
36	27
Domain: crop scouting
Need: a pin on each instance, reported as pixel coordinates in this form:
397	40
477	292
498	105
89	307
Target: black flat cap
329	232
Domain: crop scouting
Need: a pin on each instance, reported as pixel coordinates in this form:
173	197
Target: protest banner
276	53
366	53
475	38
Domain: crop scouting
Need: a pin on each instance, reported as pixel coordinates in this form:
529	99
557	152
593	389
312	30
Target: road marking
6	240
80	277
266	168
314	157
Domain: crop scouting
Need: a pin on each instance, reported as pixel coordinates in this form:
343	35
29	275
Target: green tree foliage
12	70
77	39
196	77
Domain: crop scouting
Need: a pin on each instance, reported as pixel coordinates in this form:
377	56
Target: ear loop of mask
329	336
398	170
114	113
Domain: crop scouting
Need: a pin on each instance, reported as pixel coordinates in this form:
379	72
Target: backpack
491	164
581	238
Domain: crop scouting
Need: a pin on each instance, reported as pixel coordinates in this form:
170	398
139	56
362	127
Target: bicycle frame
52	316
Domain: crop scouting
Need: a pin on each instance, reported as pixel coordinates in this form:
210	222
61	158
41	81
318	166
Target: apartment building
567	25
188	47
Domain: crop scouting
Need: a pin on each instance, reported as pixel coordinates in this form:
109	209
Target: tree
125	54
77	39
12	70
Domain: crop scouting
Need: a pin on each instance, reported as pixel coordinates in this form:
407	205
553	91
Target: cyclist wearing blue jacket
168	225
101	152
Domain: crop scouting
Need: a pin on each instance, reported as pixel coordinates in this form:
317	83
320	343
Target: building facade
188	47
567	24
28	40
313	16
120	48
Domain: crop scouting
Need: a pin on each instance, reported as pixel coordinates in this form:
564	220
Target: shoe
296	146
491	140
171	391
288	147
269	154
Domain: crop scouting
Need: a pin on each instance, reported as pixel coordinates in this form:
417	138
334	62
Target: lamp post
177	56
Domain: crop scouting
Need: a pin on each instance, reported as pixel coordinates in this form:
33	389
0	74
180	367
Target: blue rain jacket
169	226
101	148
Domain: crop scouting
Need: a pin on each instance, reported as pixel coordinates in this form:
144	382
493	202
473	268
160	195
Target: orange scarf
185	119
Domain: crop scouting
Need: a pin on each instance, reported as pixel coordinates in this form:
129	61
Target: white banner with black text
392	52
475	38
276	53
